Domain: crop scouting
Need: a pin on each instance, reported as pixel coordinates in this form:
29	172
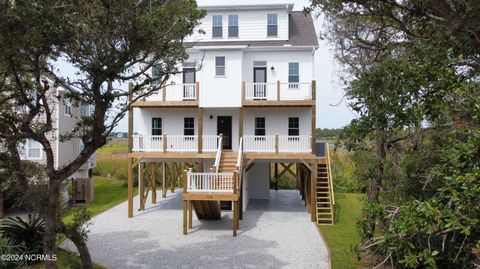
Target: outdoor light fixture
272	68
211	116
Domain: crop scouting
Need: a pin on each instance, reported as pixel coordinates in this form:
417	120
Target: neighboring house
65	116
243	105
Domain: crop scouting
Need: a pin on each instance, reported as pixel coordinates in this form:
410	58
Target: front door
260	80
224	127
189	82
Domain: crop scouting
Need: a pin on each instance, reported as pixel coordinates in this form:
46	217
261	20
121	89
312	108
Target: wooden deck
278	103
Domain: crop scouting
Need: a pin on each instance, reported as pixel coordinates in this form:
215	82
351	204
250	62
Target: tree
108	43
411	74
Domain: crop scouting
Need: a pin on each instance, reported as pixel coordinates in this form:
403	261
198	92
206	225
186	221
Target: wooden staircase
324	193
207	209
228	162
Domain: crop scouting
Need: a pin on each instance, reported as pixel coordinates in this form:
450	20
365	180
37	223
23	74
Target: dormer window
217	28
232	25
272	24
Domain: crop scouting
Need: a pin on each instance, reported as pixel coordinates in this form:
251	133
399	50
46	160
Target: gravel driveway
275	233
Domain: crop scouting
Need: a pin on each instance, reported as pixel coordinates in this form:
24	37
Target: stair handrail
330	180
218	156
239	166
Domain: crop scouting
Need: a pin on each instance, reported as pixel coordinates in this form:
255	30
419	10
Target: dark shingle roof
301	33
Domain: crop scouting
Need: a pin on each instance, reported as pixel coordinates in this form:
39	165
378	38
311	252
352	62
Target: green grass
344	234
115	145
66	260
108	193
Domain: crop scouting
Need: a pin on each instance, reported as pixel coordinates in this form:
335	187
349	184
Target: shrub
26	234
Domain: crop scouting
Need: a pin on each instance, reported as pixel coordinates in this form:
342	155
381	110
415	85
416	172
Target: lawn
344	234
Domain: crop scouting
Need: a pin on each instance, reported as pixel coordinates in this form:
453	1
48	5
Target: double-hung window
293	126
84	110
217	28
259	128
156	126
157	73
293	75
31	150
272	24
232	25
67	107
220	66
188	126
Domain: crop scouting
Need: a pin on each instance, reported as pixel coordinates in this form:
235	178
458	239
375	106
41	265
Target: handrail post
197	91
164	141
187	179
243	91
164	92
278	90
235	175
276	143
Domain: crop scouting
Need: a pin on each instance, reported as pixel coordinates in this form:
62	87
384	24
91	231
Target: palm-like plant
28	234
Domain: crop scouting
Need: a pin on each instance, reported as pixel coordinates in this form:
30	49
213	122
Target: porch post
276	176
240	124
141	185
243	91
154	183
314	117
164	189
200	129
184	217
130	145
313	193
278	90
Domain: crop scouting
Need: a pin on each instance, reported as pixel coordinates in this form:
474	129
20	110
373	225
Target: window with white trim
84	110
188	126
157	73
220	66
272	24
217	29
81	146
259	126
293	126
233	25
293	75
31	150
156	126
67	107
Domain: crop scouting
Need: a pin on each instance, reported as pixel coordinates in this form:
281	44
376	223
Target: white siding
252	26
172	120
279	61
259	184
210	125
276	120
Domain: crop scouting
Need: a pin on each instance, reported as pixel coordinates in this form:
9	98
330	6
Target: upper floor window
67	107
81	146
272	24
232	25
217	28
30	150
84	110
259	126
220	66
293	126
156	126
188	126
293	75
156	72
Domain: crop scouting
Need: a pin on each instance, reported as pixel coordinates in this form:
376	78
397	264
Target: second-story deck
253	95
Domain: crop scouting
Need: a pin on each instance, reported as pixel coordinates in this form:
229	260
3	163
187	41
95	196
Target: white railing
218	156
278	91
147	143
261	91
182	143
269	143
295	144
259	143
180	92
210	143
209	182
295	91
240	153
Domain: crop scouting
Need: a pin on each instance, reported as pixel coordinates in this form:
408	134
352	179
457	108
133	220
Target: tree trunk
375	184
82	248
50	216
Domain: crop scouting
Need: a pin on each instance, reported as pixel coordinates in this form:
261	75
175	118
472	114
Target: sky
332	109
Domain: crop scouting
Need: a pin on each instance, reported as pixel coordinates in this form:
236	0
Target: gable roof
301	33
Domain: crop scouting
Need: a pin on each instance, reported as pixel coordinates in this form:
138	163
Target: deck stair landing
324	192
